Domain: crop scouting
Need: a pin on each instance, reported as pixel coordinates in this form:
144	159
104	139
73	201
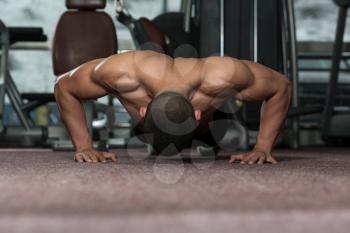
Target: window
316	20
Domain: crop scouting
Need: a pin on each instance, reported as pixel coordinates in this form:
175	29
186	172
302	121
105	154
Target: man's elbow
60	89
285	87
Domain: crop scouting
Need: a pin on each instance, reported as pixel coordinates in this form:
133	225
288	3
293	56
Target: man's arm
275	90
273	114
70	90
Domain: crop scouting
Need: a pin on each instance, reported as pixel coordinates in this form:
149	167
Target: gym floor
45	191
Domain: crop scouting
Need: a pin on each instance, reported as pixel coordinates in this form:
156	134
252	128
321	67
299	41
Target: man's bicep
260	90
264	83
81	86
251	95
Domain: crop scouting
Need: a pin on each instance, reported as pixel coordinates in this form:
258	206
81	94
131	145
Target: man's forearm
273	115
73	116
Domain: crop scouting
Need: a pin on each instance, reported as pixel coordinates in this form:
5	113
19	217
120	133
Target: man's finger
86	157
261	160
101	158
236	158
253	159
93	157
249	156
270	159
78	157
232	159
110	156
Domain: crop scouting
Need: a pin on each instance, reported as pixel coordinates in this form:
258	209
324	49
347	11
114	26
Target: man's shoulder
220	64
220	60
119	64
140	54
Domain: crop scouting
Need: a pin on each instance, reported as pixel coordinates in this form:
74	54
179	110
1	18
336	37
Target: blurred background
315	21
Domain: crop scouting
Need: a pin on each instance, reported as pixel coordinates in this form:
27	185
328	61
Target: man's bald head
171	122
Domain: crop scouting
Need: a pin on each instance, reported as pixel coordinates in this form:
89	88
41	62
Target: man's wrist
262	148
84	147
85	143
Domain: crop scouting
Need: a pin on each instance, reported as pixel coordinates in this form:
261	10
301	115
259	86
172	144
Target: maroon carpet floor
44	191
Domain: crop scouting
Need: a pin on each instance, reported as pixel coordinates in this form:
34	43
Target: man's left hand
253	157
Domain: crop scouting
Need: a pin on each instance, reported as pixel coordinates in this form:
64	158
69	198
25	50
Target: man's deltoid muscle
173	100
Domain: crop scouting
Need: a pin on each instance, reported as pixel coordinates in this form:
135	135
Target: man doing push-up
172	101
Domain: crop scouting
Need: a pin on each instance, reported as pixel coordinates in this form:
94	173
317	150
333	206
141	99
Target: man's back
136	77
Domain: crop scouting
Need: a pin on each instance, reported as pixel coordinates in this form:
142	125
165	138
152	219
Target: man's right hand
94	156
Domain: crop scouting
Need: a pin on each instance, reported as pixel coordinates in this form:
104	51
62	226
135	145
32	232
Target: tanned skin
137	77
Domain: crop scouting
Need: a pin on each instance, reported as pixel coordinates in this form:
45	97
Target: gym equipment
28	134
336	124
266	34
162	34
82	34
143	31
255	33
290	63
